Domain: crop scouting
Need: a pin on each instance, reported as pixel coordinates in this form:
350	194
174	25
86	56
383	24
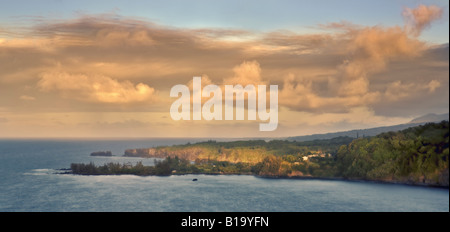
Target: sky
106	68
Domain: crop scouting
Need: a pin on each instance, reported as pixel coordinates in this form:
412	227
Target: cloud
433	85
420	18
247	73
286	42
205	81
368	51
357	115
95	88
27	98
109	63
299	94
398	90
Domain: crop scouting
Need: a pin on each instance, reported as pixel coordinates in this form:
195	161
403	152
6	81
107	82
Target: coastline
355	180
407	183
417	156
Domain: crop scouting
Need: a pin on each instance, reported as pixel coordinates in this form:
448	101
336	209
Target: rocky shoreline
291	177
415	156
394	182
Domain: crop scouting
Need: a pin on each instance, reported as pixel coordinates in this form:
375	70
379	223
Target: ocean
30	181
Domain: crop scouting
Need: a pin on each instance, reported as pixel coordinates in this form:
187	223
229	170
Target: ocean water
29	181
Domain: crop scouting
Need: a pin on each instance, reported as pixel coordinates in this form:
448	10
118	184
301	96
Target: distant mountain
374	131
430	118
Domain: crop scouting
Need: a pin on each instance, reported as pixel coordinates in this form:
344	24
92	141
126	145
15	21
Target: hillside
374	131
250	151
430	118
417	155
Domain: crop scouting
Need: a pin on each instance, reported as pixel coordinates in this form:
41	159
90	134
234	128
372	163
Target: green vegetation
418	155
250	151
161	168
165	167
415	155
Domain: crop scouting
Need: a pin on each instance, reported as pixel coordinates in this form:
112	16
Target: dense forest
418	155
415	155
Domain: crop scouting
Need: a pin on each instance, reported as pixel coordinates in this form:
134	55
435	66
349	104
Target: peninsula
417	155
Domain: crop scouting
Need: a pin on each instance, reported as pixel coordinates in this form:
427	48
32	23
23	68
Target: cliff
417	155
202	152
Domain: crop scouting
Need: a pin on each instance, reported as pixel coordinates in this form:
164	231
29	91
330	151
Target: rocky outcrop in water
101	153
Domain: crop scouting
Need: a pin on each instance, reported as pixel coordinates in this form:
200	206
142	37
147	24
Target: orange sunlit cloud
100	64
